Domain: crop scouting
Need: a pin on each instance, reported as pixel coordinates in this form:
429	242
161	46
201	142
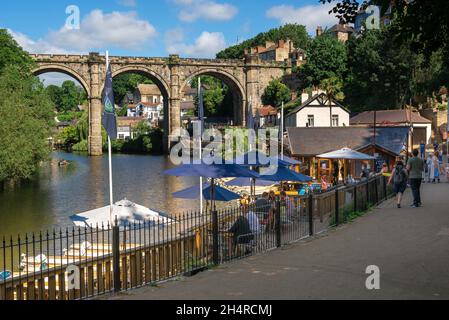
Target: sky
155	28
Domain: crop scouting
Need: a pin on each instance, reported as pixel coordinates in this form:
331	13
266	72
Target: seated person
254	223
262	205
241	231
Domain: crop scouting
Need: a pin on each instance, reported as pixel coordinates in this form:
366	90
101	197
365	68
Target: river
59	192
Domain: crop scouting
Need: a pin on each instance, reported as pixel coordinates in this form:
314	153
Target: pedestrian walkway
409	245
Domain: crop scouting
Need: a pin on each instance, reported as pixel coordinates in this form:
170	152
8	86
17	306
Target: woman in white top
430	168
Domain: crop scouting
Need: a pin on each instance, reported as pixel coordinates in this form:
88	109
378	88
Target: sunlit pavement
409	245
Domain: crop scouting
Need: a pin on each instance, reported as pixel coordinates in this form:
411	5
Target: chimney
304	97
319	31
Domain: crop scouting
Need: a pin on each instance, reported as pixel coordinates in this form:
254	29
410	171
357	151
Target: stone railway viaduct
246	78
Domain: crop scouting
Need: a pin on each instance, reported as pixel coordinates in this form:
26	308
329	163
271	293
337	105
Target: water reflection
59	192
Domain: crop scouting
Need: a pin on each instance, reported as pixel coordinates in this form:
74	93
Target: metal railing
81	263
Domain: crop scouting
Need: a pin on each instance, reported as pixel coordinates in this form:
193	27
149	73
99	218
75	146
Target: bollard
385	187
355	198
376	197
367	195
278	223
116	256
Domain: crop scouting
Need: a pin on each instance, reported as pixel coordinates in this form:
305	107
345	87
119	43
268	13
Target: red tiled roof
268	110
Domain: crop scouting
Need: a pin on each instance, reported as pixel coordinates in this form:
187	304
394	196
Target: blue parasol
221	194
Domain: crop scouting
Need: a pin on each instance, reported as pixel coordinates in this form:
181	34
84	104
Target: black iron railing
80	263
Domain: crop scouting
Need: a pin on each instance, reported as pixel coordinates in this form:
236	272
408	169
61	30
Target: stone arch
161	84
66	70
233	83
159	80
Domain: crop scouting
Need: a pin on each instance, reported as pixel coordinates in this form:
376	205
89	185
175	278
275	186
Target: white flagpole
201	145
111	195
282	131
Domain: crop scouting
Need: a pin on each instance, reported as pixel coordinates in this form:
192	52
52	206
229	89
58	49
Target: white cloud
100	30
193	10
310	16
128	3
97	31
205	46
38	46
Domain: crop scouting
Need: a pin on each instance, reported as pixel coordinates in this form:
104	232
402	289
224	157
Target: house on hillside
281	51
126	127
150	111
148	94
315	111
422	127
268	116
386	144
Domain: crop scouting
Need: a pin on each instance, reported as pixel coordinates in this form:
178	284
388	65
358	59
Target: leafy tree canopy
296	33
275	93
326	58
127	82
12	54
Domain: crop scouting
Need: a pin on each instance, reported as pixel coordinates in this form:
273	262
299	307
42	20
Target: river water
59	192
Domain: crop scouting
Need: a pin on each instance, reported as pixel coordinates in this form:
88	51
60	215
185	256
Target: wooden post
215	257
278	223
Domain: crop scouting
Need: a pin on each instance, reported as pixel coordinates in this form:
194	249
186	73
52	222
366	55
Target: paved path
410	246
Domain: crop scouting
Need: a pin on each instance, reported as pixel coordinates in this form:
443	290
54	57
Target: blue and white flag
109	119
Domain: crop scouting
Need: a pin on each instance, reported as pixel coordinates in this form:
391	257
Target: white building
149	111
315	111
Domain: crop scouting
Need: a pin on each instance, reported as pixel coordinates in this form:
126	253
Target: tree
25	119
54	93
12	54
275	93
424	23
333	87
71	96
381	73
217	97
326	58
127	82
296	33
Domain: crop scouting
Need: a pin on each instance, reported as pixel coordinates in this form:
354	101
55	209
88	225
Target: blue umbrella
252	158
285	174
214	171
245	182
221	194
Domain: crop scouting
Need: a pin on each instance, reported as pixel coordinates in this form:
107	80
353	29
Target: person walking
429	168
422	149
415	167
399	180
436	166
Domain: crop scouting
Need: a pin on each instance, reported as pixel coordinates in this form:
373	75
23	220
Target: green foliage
326	58
146	140
25	119
67	97
275	93
127	82
333	87
296	33
217	97
381	72
70	116
81	146
11	54
123	112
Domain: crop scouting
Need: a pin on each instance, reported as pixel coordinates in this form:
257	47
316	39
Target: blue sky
155	28
191	28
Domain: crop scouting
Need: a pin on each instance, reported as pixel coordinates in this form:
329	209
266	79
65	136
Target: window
335	120
121	137
310	121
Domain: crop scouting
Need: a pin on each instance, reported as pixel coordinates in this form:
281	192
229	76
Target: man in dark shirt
415	168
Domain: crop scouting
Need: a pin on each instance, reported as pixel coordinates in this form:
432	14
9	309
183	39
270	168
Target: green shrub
81	146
